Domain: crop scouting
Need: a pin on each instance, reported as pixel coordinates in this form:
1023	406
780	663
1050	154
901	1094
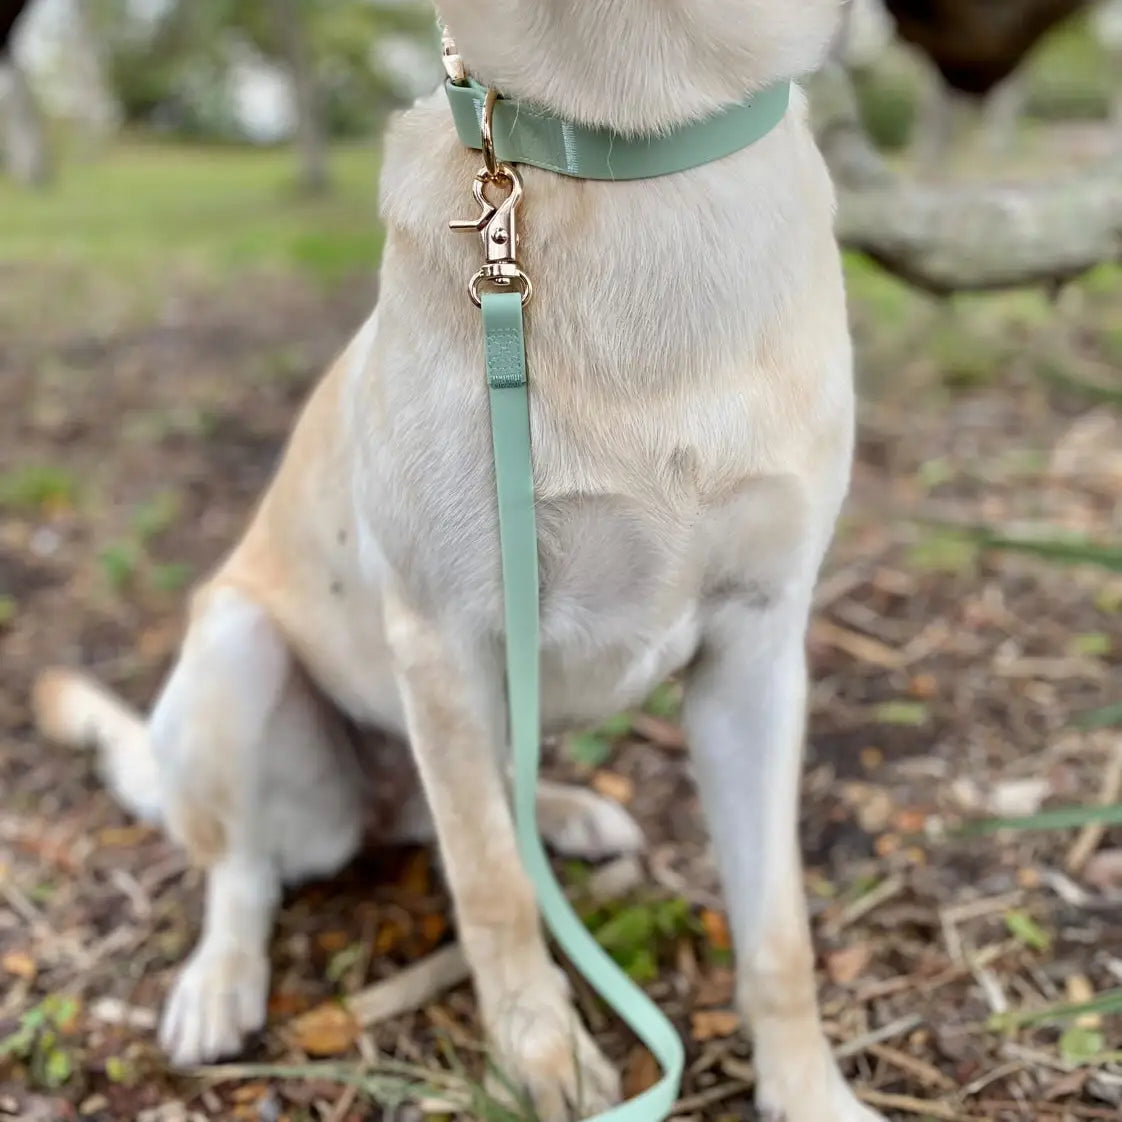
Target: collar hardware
524	133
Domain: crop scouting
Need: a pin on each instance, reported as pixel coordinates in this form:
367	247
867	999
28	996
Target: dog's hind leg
252	788
453	712
209	739
574	821
744	714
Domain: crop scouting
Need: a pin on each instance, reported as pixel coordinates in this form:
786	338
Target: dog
692	421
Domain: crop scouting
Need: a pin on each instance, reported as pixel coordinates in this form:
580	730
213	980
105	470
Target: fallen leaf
1080	990
285	1005
709	1024
871	758
21	964
331	942
923	687
614	786
326	1030
872	804
845	965
716	927
122	837
1017	798
432	927
640	1073
249	1092
909	820
416	879
390	936
716	987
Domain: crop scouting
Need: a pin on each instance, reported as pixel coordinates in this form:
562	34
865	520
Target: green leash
505	350
510	133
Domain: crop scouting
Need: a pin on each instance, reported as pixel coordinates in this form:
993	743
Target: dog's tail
73	709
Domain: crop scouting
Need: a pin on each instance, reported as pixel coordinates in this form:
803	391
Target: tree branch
945	238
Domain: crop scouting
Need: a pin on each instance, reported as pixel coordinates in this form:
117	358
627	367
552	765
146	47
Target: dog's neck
638	66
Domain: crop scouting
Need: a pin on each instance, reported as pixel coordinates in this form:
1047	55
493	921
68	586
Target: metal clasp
453	64
497	226
497	222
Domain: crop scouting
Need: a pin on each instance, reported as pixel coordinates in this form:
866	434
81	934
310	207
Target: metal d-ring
486	131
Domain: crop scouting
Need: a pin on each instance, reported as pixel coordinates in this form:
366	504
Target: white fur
692	421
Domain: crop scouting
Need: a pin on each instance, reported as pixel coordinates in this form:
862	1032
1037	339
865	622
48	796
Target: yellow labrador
692	422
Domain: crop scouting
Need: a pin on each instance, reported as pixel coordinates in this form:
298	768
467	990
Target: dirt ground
948	679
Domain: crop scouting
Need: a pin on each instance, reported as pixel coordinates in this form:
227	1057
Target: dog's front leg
452	708
744	713
221	993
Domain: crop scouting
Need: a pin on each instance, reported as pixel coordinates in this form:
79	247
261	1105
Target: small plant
39	1043
37	487
119	564
155	515
635	934
594	748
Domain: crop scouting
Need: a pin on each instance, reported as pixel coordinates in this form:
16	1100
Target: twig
343	1104
861	647
710	1096
1092	834
409	989
861	907
926	1073
877	1036
988	1077
839	584
925	1108
1071	1110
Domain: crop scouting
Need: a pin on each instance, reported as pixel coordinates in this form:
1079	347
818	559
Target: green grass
219	208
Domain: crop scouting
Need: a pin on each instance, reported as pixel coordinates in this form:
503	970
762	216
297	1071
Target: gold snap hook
497	224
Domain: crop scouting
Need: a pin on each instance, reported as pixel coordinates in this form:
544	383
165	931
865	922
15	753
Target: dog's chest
621	608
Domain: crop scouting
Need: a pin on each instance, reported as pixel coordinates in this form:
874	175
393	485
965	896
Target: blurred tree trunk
311	144
102	111
23	138
967	236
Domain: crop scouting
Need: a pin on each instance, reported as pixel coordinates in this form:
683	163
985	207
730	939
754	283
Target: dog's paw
218	999
545	1053
576	822
805	1086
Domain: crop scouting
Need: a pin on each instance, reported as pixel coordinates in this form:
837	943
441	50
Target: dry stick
411	988
839	584
861	647
927	1108
710	1096
1075	1110
861	907
343	1104
878	1036
1092	834
926	1073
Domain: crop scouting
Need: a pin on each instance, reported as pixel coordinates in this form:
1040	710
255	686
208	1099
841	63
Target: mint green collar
526	134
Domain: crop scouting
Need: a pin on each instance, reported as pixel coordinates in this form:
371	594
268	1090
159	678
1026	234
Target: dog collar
527	134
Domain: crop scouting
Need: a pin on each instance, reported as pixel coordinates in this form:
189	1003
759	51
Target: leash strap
526	134
505	352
